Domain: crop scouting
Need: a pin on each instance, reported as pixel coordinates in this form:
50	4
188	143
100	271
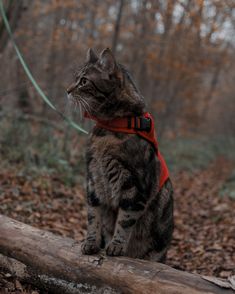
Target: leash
30	76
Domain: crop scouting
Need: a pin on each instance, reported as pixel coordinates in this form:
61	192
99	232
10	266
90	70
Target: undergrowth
192	154
196	153
37	149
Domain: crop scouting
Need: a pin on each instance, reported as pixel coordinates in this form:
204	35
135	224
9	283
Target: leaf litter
204	235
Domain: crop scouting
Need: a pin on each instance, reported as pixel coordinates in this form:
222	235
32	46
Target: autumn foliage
181	55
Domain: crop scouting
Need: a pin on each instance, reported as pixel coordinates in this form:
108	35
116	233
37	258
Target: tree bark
60	258
28	275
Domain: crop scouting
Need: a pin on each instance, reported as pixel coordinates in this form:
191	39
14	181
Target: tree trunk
60	258
117	27
13	11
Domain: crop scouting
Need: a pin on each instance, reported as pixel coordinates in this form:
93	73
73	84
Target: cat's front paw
115	249
89	247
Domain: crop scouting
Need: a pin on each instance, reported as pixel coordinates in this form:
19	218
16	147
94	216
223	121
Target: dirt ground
204	236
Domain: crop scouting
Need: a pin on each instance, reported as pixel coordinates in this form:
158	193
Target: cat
128	214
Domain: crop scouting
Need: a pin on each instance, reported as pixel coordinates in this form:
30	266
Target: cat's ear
107	60
91	57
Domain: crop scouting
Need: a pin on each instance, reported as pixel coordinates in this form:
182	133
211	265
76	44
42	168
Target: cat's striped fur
127	214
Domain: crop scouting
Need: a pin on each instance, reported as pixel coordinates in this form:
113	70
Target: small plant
39	149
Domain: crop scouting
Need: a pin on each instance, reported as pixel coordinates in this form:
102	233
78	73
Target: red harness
142	126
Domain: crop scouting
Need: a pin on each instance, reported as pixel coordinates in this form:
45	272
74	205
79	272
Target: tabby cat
127	212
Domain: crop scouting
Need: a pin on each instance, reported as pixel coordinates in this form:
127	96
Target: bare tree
117	26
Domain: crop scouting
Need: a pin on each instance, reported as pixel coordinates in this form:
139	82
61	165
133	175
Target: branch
60	258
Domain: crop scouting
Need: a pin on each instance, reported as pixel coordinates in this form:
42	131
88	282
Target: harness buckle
142	124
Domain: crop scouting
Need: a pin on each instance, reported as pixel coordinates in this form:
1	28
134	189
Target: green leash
30	76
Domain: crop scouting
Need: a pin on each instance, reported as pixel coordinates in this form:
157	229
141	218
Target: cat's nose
71	88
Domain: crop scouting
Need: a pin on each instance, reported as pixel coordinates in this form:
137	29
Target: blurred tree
117	26
178	51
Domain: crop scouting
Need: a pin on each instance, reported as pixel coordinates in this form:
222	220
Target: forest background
181	55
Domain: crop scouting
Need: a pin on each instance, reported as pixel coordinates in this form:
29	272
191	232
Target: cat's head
105	89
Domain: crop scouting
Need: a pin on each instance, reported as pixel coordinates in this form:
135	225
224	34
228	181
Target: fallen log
60	260
23	273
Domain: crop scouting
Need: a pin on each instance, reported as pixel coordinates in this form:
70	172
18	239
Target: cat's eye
83	82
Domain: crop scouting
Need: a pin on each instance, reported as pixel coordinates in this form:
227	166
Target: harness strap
140	125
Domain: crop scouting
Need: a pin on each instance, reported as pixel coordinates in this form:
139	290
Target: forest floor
204	233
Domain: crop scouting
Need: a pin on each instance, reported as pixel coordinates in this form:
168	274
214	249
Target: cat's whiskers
87	105
76	102
73	102
88	108
80	109
84	106
77	99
